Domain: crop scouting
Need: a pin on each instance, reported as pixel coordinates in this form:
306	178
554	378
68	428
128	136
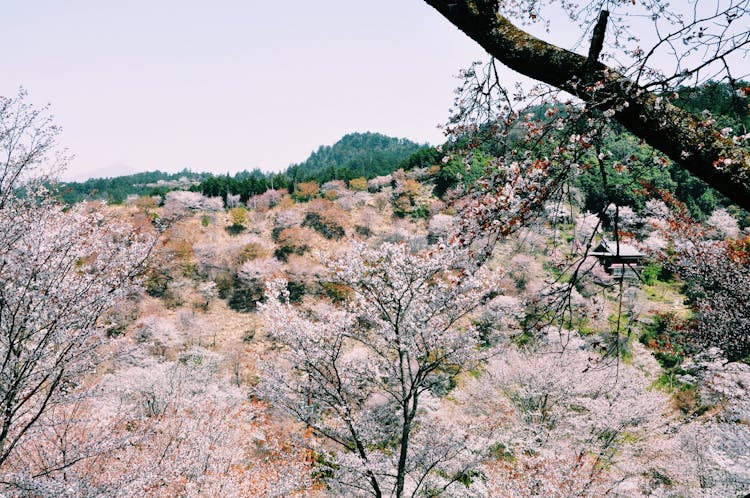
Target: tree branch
597	40
692	143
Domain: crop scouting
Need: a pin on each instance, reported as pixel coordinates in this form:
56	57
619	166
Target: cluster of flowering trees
717	280
60	272
366	376
151	427
543	140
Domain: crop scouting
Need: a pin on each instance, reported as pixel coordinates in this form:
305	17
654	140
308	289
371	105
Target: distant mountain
356	154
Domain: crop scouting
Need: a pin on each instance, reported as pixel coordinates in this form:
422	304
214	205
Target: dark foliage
115	190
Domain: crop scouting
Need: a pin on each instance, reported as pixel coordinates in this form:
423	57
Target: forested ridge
354	155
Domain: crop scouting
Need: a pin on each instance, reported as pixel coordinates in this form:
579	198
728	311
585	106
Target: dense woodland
550	303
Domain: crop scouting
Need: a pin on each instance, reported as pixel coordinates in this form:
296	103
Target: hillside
354	155
291	327
204	357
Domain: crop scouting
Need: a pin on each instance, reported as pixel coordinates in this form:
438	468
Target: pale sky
229	85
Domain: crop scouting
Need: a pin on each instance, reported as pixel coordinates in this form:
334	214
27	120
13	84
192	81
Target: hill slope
356	154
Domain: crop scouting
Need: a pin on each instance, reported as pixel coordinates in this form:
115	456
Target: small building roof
610	249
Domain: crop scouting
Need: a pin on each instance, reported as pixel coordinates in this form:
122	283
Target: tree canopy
631	92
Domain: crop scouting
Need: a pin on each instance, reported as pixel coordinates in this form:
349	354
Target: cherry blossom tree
363	376
61	270
570	425
717	276
723	224
440	226
174	428
379	182
181	203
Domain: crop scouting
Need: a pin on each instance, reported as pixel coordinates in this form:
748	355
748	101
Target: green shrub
323	225
650	273
501	452
291	241
420	211
362	231
245	297
487	333
275	232
235	229
296	291
667	335
282	252
224	285
157	283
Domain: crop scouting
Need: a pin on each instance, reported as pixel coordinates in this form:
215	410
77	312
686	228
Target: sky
229	85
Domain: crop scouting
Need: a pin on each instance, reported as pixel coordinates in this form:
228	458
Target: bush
337	292
251	251
249	335
245	297
362	231
291	240
282	253
224	285
276	231
157	283
296	291
499	451
667	336
304	191
235	229
326	218
651	273
358	184
402	206
238	216
324	226
687	399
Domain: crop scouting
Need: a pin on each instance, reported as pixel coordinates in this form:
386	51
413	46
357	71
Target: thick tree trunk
696	146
